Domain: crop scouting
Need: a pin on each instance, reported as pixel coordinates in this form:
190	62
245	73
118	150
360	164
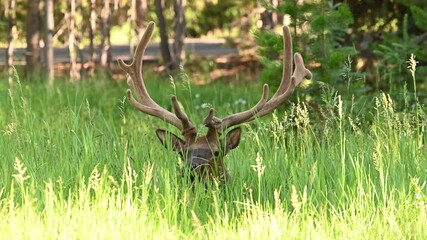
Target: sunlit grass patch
78	162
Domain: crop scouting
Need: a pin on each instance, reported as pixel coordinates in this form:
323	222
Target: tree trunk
74	73
137	15
79	39
132	19
268	17
105	58
140	15
92	30
49	42
274	16
179	29
11	16
32	55
164	40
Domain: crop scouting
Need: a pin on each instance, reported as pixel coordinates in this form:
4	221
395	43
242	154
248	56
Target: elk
204	155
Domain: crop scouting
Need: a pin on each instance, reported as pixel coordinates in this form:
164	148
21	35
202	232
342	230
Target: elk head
204	154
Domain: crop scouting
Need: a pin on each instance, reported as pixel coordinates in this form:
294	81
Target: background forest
374	39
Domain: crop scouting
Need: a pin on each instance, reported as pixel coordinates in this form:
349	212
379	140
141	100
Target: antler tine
188	130
220	125
287	64
147	104
135	68
288	87
288	83
300	71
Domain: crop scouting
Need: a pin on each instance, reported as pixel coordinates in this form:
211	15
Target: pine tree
318	32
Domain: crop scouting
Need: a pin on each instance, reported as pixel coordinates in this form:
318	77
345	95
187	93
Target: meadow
79	162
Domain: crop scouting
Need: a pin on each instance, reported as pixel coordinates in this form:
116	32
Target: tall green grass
78	162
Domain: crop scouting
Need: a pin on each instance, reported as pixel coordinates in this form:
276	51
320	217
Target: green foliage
420	17
271	44
394	53
215	15
318	32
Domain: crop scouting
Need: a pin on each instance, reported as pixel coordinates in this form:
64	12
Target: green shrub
318	32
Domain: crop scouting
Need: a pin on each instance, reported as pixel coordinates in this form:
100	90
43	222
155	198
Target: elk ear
232	139
168	138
